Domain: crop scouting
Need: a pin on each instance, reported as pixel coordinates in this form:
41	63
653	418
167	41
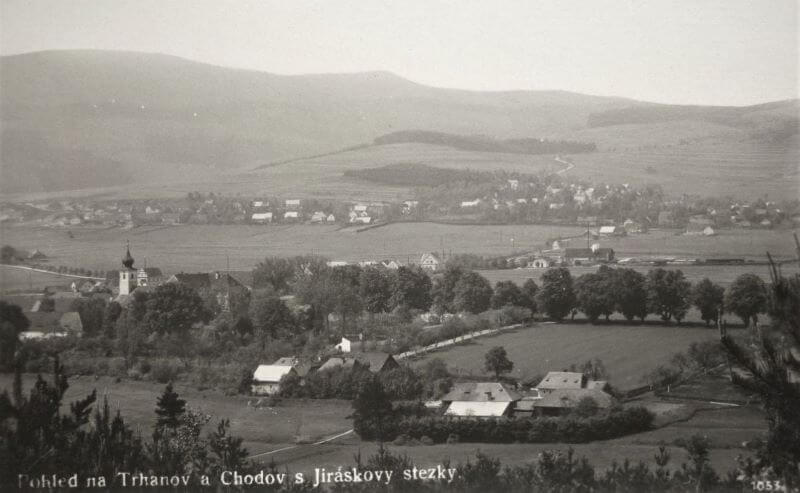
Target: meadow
23	279
191	248
304	420
279	428
628	352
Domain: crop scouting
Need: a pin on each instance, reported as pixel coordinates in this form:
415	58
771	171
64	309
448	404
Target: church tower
127	276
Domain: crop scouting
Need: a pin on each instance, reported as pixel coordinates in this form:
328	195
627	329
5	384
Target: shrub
453	438
164	371
426	440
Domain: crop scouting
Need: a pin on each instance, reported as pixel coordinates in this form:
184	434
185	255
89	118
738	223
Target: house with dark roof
374	361
221	285
480	400
584	256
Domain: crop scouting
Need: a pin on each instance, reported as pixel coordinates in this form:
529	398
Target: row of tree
662	292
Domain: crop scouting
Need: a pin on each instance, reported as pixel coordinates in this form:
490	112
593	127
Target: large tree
12	322
708	298
595	295
630	294
412	289
92	313
473	293
270	316
770	367
668	294
274	272
507	293
528	292
746	297
556	297
496	361
372	410
174	307
444	288
375	288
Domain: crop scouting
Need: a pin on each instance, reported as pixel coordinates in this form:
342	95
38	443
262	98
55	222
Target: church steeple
127	276
127	260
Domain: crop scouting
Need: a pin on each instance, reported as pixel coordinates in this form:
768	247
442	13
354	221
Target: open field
195	247
270	429
743	170
23	279
308	420
190	247
627	352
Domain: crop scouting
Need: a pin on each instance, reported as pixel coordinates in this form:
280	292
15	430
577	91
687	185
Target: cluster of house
267	378
558	393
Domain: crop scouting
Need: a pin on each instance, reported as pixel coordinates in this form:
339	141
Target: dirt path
292	447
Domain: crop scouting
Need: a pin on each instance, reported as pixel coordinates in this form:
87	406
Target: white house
430	261
267	378
331	218
261	217
611	231
513	184
292	203
480	400
471	203
258	203
291	215
318	217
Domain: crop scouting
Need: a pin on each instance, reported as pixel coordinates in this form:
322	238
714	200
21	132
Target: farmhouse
261	217
430	261
479	400
390	264
539	263
583	256
374	361
347	343
562	401
612	231
221	285
267	378
561	380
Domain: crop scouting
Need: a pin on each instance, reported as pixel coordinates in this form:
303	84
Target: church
131	278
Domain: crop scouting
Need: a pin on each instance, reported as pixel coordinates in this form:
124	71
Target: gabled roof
562	380
375	360
477	409
286	361
337	362
270	373
565	398
481	392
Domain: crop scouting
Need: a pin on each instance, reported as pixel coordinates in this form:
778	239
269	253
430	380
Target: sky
723	52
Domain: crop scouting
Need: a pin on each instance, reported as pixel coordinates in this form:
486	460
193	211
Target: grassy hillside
627	352
89	119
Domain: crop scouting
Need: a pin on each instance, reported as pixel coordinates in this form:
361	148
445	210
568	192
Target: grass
308	420
628	352
19	279
191	248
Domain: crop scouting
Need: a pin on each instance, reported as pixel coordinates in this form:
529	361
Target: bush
570	429
453	438
426	440
164	371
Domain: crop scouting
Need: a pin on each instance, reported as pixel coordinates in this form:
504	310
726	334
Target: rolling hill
86	119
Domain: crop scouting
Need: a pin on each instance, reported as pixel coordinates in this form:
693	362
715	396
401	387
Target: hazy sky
688	51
